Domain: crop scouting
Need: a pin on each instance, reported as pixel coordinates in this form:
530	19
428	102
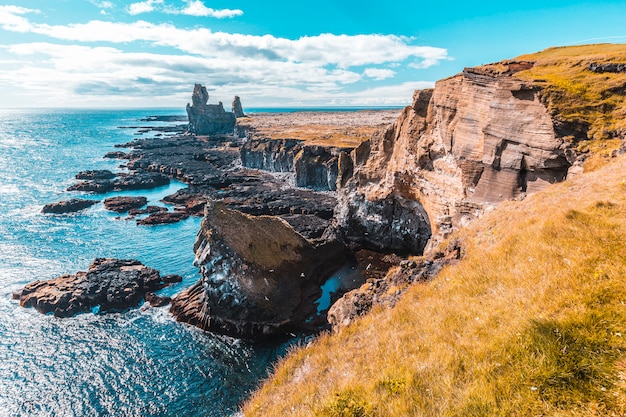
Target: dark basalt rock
117	155
208	119
93	186
259	276
237	108
108	284
157	300
136	180
386	290
163	217
124	204
101	174
68	206
147	210
141	181
270	154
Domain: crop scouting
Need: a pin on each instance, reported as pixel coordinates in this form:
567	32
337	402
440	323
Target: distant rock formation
478	138
208	119
108	285
237	108
259	276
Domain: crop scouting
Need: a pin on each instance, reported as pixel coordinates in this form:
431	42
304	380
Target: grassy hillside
531	322
587	100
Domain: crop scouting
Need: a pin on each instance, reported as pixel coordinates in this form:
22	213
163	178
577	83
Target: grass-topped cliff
584	87
531	321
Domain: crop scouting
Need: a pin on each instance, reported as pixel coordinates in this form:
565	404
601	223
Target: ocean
134	363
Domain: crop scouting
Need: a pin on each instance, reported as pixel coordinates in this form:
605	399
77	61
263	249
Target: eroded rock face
208	119
386	291
110	284
478	138
274	155
259	277
315	166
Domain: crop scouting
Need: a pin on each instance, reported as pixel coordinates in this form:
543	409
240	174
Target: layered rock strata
315	166
259	276
478	138
208	119
108	285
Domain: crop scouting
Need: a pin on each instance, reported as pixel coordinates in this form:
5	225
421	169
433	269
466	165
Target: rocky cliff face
208	119
259	276
478	138
315	166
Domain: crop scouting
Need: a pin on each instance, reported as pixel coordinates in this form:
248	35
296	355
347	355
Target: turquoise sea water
135	363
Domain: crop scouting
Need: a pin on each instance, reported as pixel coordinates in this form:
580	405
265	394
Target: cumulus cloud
344	51
143	7
11	18
197	8
379	73
310	70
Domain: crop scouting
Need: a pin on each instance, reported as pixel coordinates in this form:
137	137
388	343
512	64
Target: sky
150	53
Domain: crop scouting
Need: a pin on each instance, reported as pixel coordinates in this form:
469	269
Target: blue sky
149	53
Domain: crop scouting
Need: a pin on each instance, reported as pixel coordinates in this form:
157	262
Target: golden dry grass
531	322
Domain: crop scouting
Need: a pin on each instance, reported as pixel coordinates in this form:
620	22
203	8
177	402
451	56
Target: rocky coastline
288	198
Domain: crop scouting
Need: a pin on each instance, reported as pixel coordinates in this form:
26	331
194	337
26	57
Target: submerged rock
259	276
68	206
108	285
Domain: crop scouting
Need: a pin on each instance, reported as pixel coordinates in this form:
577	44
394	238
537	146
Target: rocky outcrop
68	206
386	291
259	276
100	174
478	138
108	285
208	119
124	204
274	155
136	180
315	166
237	108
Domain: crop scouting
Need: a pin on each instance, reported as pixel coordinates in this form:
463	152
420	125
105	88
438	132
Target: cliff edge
488	134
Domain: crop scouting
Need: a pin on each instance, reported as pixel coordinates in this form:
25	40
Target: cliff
515	307
529	322
259	276
486	135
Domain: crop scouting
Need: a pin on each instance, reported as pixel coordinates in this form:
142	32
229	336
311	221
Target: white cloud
269	70
11	18
143	7
379	73
197	8
342	50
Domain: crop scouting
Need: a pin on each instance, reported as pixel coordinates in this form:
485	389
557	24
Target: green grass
531	322
576	95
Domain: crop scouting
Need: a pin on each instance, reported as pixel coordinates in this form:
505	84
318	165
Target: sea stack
208	119
237	109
